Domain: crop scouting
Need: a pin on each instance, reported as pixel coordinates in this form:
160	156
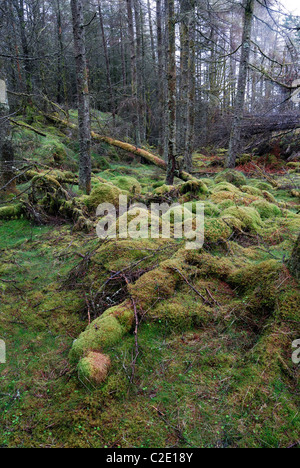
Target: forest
155	122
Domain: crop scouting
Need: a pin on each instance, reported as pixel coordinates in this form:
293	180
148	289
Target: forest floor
214	365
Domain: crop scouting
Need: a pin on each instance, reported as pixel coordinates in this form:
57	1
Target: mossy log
28	127
152	158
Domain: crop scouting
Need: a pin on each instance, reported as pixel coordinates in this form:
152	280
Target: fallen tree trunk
152	158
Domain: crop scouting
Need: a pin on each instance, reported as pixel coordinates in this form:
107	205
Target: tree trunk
160	87
171	93
7	184
133	60
85	166
20	9
190	108
294	262
151	31
107	64
242	81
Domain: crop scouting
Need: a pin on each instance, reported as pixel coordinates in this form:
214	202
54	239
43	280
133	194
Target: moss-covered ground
211	364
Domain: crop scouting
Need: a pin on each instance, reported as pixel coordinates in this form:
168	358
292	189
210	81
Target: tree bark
171	93
7	184
107	64
190	108
242	81
85	167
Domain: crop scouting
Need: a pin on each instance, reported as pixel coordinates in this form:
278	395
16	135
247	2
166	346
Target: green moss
159	283
129	184
227	187
216	229
209	265
194	187
99	336
101	163
268	196
259	282
220	197
234	177
288	305
259	274
115	387
210	209
251	190
123	313
181	312
262	185
103	193
223	205
208	182
249	216
11	211
177	214
266	209
163	189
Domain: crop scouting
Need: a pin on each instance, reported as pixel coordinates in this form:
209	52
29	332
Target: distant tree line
173	70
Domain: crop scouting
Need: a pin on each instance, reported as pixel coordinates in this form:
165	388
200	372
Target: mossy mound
194	188
103	193
216	230
249	216
11	211
208	182
181	312
177	215
227	187
262	185
94	368
251	190
219	197
100	163
288	306
223	205
210	209
163	189
156	285
208	265
129	184
249	277
118	254
259	282
268	196
137	222
266	209
234	177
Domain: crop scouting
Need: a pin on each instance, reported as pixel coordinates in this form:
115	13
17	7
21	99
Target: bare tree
242	81
7	181
83	97
171	93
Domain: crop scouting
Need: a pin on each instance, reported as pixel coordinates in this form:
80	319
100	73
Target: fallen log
152	158
28	127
